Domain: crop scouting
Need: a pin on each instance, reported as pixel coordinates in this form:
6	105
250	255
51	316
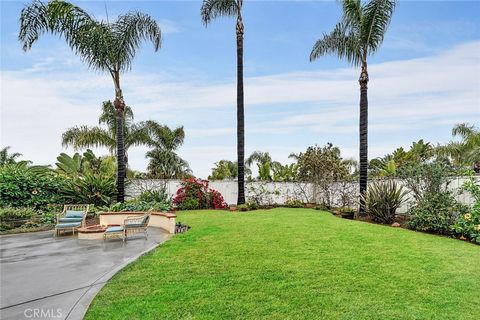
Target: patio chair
136	224
71	218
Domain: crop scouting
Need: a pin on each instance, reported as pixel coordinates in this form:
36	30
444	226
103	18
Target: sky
424	79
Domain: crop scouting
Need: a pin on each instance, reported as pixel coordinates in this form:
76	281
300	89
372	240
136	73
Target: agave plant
382	200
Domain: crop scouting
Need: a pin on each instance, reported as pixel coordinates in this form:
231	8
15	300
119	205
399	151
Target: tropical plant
103	46
10	158
284	173
164	162
358	35
224	169
210	10
88	178
382	200
134	134
466	152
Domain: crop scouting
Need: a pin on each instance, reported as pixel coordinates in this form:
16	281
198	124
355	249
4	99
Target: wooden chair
136	224
71	218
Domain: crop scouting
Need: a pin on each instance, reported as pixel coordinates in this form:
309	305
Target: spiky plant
382	200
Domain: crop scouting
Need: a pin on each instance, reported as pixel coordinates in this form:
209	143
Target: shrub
138	205
242	207
189	204
468	225
198	195
158	195
436	212
11	218
252	205
27	187
293	203
382	200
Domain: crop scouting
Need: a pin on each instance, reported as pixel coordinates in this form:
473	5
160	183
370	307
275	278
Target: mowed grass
295	264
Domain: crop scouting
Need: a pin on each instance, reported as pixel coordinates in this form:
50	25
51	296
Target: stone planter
163	220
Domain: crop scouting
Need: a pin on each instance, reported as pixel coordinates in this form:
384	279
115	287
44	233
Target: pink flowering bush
196	194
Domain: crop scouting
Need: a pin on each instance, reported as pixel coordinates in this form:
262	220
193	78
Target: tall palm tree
210	10
103	46
358	35
134	134
165	163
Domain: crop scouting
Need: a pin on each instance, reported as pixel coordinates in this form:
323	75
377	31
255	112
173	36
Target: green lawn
295	264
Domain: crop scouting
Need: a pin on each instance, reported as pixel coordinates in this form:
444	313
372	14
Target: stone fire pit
92	232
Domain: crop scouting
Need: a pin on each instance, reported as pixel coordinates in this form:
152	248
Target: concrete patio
46	277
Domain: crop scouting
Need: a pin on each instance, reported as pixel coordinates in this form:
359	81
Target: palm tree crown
164	162
135	134
103	46
359	33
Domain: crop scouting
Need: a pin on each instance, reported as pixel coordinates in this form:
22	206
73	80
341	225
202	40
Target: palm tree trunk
363	81
240	114
120	107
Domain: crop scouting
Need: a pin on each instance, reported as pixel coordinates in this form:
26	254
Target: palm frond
103	46
463	130
339	42
86	137
376	19
138	134
212	9
352	13
129	31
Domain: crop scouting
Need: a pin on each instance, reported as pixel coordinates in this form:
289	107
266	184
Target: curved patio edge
82	305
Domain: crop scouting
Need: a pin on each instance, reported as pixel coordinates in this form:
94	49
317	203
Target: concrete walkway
43	277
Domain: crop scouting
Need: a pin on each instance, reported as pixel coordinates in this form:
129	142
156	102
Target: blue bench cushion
114	229
68	225
67	220
74	214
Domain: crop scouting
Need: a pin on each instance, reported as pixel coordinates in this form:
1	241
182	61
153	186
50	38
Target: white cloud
408	96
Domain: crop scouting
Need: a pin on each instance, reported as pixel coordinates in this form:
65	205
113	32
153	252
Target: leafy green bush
158	195
293	203
11	218
189	204
252	205
468	225
242	207
382	200
22	186
436	212
138	205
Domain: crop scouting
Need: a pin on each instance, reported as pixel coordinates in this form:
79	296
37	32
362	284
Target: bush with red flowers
195	194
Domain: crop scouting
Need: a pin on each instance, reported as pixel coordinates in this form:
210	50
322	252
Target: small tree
322	166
